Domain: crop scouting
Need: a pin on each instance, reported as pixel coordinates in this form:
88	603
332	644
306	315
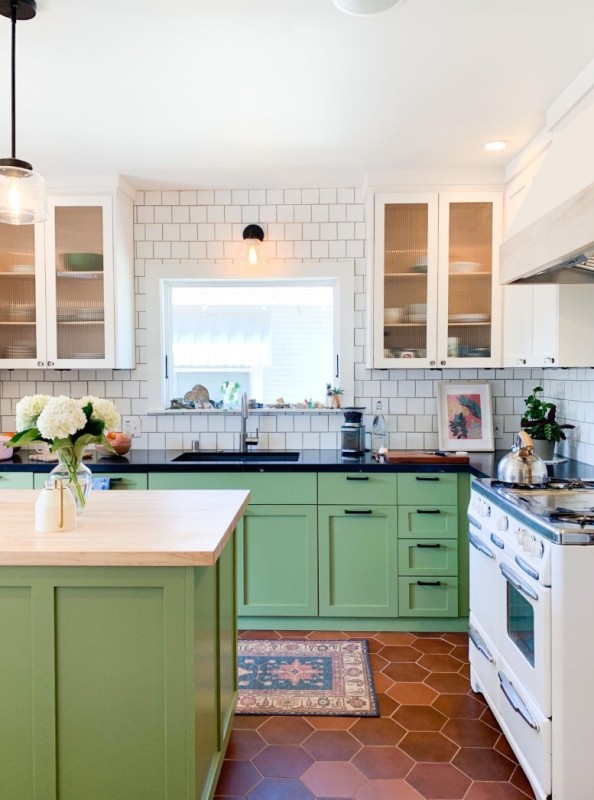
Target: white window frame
160	276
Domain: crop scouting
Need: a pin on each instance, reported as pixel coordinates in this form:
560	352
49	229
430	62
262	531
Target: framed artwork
464	417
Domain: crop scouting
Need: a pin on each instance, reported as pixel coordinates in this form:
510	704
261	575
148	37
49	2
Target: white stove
532	649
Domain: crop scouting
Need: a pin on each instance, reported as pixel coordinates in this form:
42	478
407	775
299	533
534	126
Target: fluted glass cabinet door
81	272
468	289
405	280
21	288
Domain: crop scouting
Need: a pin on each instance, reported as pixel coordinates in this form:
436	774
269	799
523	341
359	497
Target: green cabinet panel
266	488
428	488
119	480
116	682
16	480
428	557
358	574
278	561
339	488
16	694
428	597
418	522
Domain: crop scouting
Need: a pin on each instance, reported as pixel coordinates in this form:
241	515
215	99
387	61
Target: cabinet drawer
428	597
341	488
280	488
428	557
16	480
428	522
428	488
119	480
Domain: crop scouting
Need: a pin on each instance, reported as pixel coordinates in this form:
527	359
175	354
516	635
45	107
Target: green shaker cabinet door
373	488
427	522
358	554
428	488
278	561
428	557
266	487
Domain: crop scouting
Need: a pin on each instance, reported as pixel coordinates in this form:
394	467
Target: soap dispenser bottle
379	434
55	509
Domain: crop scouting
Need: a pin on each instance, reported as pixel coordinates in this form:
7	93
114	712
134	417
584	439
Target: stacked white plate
89	314
20	351
460	267
86	355
469	318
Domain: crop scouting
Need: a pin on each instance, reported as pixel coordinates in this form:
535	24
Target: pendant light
22	191
363	8
253	235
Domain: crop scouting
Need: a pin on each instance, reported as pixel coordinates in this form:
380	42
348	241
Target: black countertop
482	465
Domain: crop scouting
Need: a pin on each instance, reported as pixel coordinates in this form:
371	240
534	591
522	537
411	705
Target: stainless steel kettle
521	465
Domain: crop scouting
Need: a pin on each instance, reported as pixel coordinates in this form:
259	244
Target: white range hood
551	239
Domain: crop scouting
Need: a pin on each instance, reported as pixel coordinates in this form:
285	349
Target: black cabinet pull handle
358	511
428	511
428	583
353	478
116	480
426	479
426	546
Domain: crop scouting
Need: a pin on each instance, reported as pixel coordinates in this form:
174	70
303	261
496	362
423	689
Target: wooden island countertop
154	528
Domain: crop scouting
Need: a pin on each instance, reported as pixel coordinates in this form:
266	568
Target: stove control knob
537	547
502	523
521	536
527	542
485	510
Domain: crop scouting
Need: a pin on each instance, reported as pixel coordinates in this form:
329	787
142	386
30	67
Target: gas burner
575	483
573	517
525	487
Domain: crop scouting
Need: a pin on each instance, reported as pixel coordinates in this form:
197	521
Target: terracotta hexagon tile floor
434	740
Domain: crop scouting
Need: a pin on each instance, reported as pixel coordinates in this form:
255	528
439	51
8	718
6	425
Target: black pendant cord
13	17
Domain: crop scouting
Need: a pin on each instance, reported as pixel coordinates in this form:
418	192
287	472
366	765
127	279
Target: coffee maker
352	432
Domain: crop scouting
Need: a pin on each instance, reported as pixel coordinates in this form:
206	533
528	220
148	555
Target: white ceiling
205	92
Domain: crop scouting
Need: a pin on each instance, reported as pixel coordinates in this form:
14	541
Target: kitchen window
276	333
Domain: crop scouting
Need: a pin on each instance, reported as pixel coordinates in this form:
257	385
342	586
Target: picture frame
464	416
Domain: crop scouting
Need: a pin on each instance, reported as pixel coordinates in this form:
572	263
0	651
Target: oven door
484	579
525	633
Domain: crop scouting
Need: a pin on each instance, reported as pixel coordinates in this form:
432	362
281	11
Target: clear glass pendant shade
22	195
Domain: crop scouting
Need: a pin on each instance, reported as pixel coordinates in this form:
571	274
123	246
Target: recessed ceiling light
362	8
497	144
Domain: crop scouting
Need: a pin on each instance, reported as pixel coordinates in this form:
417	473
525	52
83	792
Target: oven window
520	623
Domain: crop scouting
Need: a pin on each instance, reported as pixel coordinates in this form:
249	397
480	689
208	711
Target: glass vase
75	475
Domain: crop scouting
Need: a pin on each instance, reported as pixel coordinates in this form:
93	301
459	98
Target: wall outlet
131	426
497	427
378	405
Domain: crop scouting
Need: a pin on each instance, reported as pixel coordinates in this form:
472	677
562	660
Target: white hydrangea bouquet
67	425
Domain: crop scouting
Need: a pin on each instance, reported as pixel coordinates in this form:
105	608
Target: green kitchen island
118	647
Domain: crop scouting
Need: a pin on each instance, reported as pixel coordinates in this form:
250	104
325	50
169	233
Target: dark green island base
116	682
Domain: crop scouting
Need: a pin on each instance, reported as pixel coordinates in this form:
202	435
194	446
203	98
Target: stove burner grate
573	517
551	484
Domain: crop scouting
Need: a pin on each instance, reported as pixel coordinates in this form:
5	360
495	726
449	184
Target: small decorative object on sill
55	509
67	425
336	392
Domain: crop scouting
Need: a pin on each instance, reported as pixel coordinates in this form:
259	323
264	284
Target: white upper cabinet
548	326
67	285
435	286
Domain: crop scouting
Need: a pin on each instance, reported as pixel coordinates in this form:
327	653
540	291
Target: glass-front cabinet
63	303
436	295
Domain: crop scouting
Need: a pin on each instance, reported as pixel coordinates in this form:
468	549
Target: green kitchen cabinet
289	488
16	480
428	488
277	549
428	596
358	488
116	682
428	557
358	550
428	522
119	480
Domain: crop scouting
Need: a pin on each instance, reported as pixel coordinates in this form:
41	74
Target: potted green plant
336	391
540	422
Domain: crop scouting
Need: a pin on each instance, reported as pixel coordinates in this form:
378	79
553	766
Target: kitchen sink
256	457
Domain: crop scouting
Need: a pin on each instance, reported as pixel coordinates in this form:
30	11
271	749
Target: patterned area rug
297	676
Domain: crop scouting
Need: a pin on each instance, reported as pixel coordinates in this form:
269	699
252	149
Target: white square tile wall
300	224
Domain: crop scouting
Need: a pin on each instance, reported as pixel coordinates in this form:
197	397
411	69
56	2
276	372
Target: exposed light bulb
252	255
496	144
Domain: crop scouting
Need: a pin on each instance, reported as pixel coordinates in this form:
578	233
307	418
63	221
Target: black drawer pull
428	583
428	511
358	511
426	479
362	478
116	480
427	546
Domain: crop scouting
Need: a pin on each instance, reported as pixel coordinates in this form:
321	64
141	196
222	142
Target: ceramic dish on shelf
393	315
23	269
468	318
82	262
464	267
86	355
89	314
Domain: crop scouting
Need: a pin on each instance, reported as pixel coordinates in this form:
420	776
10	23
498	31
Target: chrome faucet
244	439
